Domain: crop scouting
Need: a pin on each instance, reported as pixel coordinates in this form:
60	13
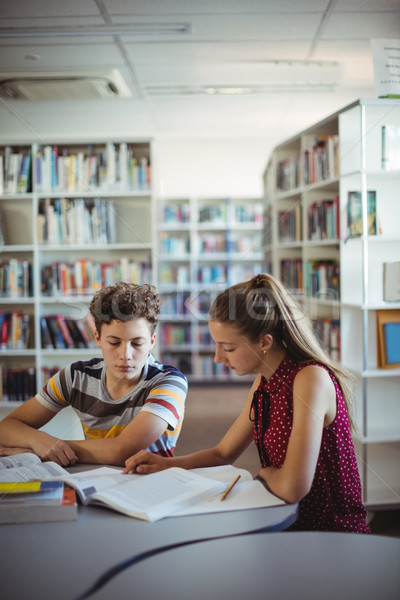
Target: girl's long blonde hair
263	306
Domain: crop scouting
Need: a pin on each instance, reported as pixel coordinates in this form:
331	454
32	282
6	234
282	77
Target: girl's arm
314	406
235	441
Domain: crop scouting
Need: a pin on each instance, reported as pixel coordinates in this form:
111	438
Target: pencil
224	495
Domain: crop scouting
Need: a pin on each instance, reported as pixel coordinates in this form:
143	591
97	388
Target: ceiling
230	68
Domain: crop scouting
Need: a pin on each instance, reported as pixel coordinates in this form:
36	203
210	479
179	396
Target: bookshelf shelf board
95	193
385	373
381	437
229	256
287	245
17	353
324	242
11	248
94	247
87	352
85	299
17	300
372	307
325	184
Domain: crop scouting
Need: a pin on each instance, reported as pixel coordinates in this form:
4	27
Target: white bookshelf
357	167
204	246
126	252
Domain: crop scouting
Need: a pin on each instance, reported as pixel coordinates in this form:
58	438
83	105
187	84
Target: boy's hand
48	448
146	462
6	451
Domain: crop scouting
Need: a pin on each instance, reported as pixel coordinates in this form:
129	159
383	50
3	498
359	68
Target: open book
171	492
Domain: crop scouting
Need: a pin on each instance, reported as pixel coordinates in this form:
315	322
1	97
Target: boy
126	400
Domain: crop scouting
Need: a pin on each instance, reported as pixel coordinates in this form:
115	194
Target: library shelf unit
338	274
80	217
204	246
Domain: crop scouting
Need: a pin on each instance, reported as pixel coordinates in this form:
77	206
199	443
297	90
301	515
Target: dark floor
210	410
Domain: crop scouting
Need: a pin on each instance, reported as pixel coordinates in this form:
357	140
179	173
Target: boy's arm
19	430
141	432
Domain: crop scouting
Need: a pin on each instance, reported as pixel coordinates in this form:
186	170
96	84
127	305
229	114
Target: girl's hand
146	462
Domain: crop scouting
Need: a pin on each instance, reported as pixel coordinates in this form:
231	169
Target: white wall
213	168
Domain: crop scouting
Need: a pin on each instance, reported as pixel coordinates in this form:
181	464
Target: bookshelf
74	217
204	246
335	266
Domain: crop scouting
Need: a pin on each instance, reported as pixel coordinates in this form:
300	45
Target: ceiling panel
362	26
234	28
69	56
47	8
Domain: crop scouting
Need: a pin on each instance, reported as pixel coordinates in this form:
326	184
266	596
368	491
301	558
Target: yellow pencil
224	495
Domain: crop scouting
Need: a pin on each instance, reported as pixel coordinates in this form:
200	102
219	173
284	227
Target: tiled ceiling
232	68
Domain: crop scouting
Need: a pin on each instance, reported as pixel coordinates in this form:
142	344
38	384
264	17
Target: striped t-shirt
161	391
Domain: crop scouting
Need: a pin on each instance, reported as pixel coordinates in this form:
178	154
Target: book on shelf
324	219
15	169
388	336
390	147
354	214
16	278
168	493
61	332
36	502
14	330
106	167
17	384
391	281
2	224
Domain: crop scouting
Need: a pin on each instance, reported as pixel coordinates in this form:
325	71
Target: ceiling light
96	30
236	90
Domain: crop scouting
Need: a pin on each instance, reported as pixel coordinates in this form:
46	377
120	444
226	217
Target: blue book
392	342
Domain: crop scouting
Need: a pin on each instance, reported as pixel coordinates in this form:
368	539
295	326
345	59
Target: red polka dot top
334	502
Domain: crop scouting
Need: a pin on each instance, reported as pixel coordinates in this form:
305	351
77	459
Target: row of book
17	384
15	171
328	334
176	213
355	214
289	225
291	274
318	162
61	332
220	273
322	279
176	335
201	366
230	213
324	220
15	330
77	221
213	242
16	278
210	243
176	304
109	168
85	276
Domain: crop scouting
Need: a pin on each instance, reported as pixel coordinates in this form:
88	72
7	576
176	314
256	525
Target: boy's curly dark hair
125	302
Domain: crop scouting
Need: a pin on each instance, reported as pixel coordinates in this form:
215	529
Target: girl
297	410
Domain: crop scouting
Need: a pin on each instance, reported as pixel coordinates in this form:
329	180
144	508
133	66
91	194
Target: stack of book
36	501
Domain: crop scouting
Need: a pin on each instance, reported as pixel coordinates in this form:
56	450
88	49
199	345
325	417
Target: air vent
63	86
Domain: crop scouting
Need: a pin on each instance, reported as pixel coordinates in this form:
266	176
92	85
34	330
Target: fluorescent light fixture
96	30
236	89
